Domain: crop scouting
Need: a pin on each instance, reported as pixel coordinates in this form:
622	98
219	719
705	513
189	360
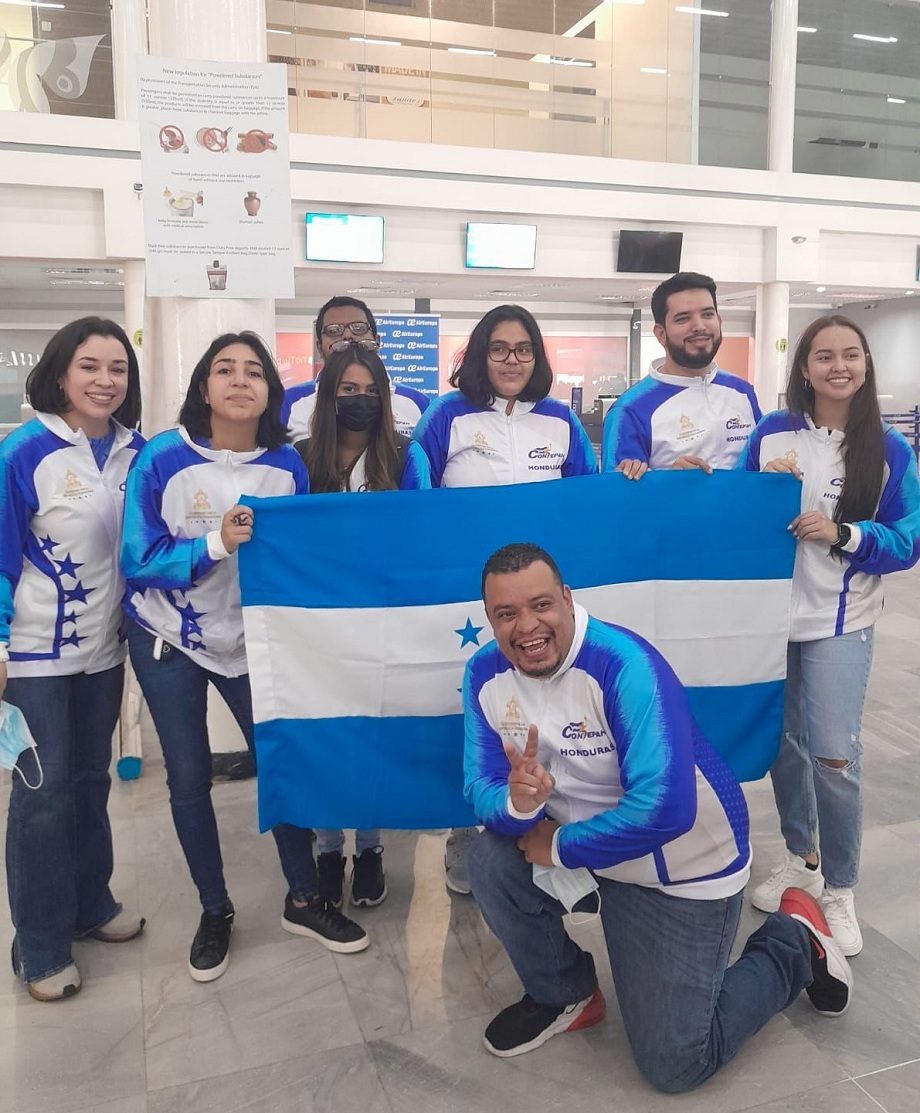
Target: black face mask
357	412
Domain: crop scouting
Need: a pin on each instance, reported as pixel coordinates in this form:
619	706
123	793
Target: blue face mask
15	739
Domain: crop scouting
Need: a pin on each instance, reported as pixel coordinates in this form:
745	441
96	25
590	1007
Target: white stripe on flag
307	663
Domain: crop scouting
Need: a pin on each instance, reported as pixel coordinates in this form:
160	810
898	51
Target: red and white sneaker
832	981
528	1024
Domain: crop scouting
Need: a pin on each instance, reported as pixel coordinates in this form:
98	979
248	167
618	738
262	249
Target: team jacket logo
686	430
512	724
201	509
545	452
74	487
838	482
792	457
512	710
737	423
578	732
481	445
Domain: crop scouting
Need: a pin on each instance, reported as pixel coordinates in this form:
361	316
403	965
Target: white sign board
217	185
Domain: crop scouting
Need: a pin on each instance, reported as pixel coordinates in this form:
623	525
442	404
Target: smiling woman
860	519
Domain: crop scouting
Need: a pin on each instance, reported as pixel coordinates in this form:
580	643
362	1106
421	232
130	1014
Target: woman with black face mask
353	447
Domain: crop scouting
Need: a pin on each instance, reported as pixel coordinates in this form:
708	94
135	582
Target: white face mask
568	887
15	739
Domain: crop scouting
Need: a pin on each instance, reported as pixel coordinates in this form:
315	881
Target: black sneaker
832	982
368	884
319	920
528	1024
331	868
209	956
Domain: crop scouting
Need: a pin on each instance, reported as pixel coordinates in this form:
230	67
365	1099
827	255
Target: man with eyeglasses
342	322
687	412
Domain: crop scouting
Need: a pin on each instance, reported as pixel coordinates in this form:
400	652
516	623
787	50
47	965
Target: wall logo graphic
61	65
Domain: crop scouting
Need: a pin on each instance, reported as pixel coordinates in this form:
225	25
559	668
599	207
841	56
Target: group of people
104	538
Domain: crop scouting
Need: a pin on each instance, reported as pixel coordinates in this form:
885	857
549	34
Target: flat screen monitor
501	246
344	238
649	252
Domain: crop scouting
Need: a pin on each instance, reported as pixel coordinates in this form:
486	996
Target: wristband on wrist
844	533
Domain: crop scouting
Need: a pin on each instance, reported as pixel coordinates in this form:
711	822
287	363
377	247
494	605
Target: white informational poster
217	184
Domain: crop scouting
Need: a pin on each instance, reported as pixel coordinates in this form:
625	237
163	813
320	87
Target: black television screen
649	252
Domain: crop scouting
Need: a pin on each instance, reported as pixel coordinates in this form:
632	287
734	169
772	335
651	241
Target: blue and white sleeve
18	503
581	459
625	437
648	713
891	542
416	474
432	434
150	555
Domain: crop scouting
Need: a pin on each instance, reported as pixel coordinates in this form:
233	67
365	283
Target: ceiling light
806	30
278	31
701	11
896	100
876	38
909	293
372	42
470	50
31	4
820	289
653	69
552	60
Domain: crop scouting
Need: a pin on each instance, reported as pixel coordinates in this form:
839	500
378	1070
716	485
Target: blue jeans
58	838
819	805
176	691
329	840
685	1010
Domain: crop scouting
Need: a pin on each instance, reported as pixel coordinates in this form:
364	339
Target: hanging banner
409	348
217	184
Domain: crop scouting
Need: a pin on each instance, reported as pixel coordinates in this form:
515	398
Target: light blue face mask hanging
15	739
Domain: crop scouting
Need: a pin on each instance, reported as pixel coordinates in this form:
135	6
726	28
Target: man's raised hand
529	784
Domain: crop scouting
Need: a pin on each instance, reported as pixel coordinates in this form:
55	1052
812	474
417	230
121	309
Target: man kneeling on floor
598	792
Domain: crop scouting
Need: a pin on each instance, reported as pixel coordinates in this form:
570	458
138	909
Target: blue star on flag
68	567
48	544
469	633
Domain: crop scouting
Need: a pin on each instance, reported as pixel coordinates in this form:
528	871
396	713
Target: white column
178	330
783	53
771	354
129	38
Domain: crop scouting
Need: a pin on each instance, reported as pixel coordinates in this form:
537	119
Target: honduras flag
361	612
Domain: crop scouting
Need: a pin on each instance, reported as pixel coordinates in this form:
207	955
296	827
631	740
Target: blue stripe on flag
413	548
408	772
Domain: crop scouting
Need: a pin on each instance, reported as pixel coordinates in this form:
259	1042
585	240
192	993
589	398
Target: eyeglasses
523	353
368	345
356	328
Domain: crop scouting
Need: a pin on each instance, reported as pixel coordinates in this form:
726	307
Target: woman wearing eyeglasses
499	427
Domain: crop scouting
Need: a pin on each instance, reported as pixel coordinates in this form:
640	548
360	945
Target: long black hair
864	436
43	386
470	372
195	414
320	450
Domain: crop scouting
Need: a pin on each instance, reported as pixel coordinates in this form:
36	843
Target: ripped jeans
820	806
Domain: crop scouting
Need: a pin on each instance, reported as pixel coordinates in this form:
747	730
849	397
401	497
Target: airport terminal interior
773	146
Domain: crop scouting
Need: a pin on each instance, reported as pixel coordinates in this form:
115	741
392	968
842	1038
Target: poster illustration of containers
215	166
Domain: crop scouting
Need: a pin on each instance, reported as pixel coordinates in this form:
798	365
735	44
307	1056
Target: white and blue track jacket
664	417
178	492
641	795
60	529
475	446
300	401
833	595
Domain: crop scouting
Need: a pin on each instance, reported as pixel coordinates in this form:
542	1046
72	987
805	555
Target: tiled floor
291	1027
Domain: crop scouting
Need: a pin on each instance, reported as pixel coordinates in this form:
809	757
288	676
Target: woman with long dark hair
500	426
353	447
183	527
62	479
860	519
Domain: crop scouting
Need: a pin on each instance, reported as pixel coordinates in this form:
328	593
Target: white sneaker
791	873
56	987
840	912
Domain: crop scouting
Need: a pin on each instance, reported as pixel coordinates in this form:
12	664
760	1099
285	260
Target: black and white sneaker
832	982
331	869
321	921
368	883
210	953
528	1024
